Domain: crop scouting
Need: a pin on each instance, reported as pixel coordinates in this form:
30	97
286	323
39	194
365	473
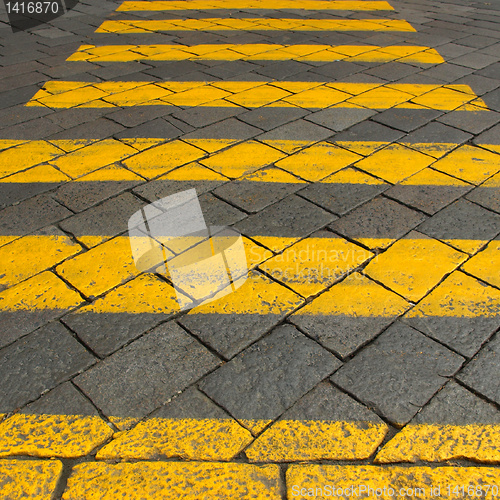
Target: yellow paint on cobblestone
48	436
101	268
186	480
41	173
211	145
161	159
469	163
254	4
43	291
395	163
25	155
356	296
260	94
430	261
92	157
311	265
438	443
394	482
485	265
30	255
193	172
251	24
188	438
296	440
31	479
242	159
318	161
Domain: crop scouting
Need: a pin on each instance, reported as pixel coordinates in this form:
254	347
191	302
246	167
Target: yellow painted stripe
36	480
254	4
307	267
47	436
255	52
251	24
309	95
186	480
385	483
483	265
438	443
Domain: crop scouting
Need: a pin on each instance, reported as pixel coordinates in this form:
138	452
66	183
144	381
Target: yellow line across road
256	52
160	5
308	95
251	24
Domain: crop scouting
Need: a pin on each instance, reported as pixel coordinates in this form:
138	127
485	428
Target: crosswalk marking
251	24
256	52
308	95
160	5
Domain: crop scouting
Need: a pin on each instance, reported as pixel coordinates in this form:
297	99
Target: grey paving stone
232	68
492	71
255	196
137	115
64	399
338	119
427	198
21	114
462	220
337	70
30	215
392	71
297	130
447	72
488	197
158	127
39	362
455	405
72	117
292	216
218	213
107	220
492	99
477	41
269	376
101	128
369	131
340	198
205	115
479	84
475	60
491	136
270	118
398	373
27	79
14	192
280	70
437	132
406	119
452	50
471	121
230	128
142	376
379	218
40	128
108	71
176	69
483	372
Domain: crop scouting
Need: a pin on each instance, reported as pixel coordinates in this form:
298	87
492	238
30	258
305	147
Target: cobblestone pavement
356	147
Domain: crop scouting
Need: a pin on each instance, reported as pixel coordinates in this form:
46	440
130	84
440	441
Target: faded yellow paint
253	4
161	159
251	24
356	296
43	291
393	482
297	440
470	163
36	480
193	172
430	261
188	438
272	174
103	267
242	159
211	145
256	94
438	443
430	177
92	157
352	176
30	255
110	173
123	423
26	155
318	161
186	480
311	265
254	52
485	265
395	163
49	436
